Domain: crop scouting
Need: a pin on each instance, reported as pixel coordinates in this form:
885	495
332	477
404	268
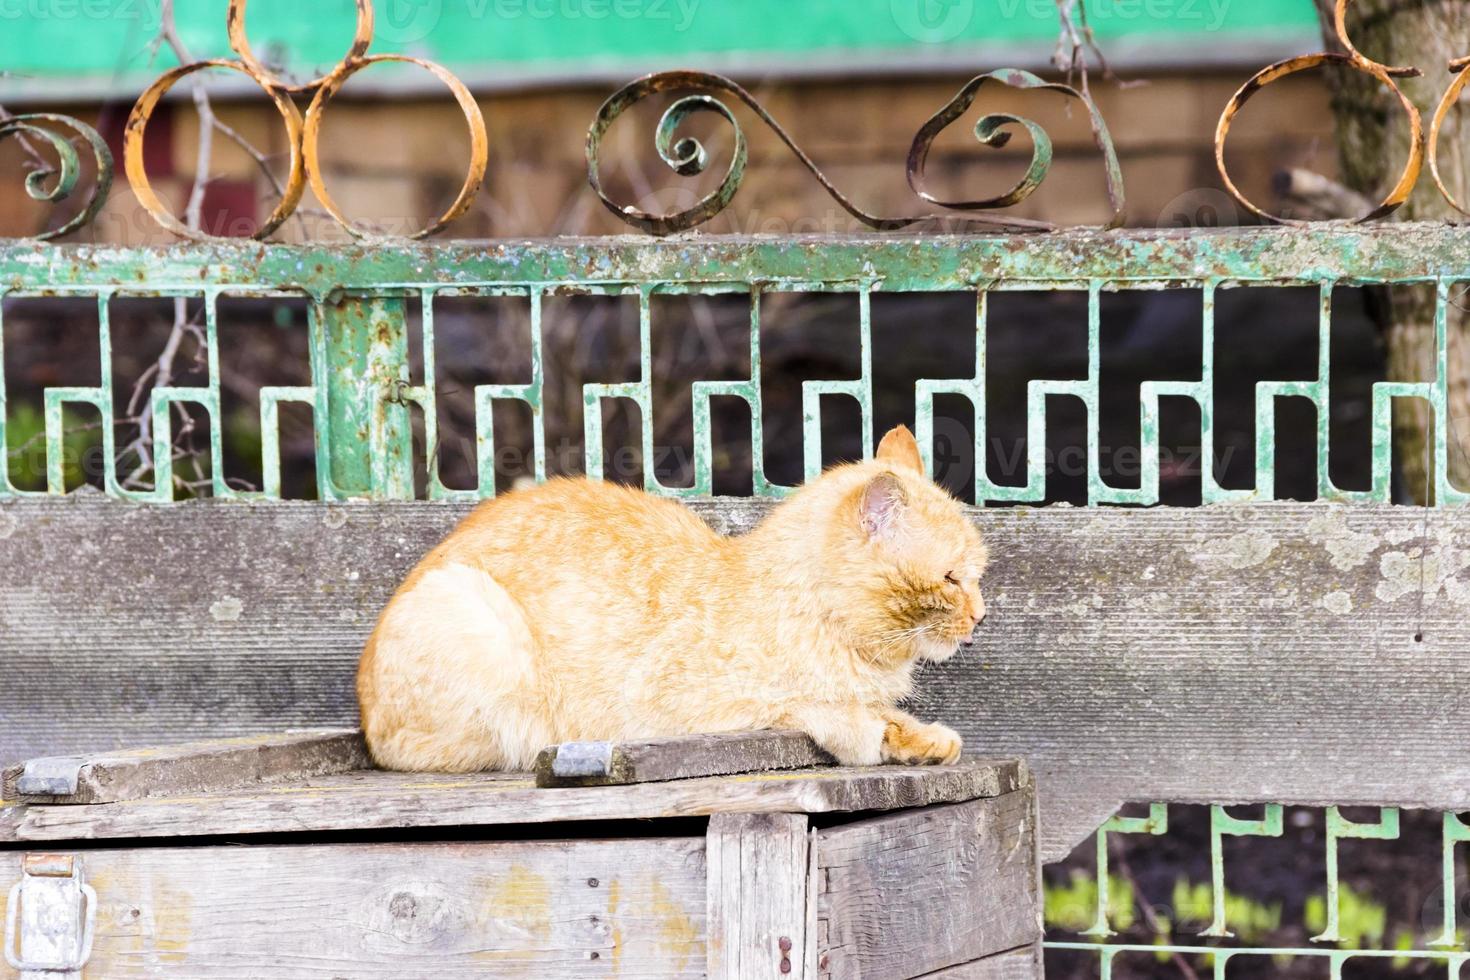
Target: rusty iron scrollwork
698	93
1357	61
1461	68
1422	147
40	185
303	133
688	157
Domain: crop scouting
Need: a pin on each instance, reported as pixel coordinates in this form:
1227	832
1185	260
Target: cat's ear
880	504
900	449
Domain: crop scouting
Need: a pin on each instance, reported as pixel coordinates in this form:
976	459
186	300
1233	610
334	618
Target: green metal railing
361	396
1447	947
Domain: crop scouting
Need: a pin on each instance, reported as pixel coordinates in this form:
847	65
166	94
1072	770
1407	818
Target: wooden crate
284	856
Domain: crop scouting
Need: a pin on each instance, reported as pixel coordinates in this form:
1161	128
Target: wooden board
758	893
1018	964
681	757
1234	653
913	893
376	800
188	769
586	908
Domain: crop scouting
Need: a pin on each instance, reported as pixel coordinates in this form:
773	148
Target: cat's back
580	521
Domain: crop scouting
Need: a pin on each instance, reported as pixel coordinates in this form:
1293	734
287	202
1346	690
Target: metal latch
50	777
50	918
583	759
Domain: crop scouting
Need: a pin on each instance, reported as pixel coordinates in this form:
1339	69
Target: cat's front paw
921	745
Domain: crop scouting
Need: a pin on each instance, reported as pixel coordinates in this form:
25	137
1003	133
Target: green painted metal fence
1447	946
361	394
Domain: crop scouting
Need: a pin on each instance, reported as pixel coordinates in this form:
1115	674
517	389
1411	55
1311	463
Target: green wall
69	40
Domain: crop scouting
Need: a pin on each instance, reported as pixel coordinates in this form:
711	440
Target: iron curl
688	157
51	128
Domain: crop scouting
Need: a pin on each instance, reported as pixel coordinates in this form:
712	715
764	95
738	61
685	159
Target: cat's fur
582	610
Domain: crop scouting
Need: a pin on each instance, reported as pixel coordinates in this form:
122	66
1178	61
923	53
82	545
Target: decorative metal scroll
68	170
303	136
1351	57
1461	68
688	157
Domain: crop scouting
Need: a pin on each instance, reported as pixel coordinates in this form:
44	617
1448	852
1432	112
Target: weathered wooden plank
1018	964
587	908
191	768
381	800
909	894
682	757
757	895
1234	653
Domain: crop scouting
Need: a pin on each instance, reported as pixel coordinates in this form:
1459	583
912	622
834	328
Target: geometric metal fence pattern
359	371
1447	947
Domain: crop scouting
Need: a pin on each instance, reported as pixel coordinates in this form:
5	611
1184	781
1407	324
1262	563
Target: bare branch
1077	46
168	33
1311	195
161	372
263	162
37	161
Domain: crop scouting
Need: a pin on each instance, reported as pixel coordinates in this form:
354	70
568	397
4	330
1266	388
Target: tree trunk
1373	143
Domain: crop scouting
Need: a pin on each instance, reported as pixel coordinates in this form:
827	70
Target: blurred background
852	81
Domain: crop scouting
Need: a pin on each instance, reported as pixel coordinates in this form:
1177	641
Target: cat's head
903	557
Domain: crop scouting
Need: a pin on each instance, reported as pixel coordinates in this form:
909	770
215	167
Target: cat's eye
952	579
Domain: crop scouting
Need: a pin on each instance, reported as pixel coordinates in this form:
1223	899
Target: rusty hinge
50	917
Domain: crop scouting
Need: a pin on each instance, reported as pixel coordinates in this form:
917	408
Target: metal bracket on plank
576	760
50	919
57	776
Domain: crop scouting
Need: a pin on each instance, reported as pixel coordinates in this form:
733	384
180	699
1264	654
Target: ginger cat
589	611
